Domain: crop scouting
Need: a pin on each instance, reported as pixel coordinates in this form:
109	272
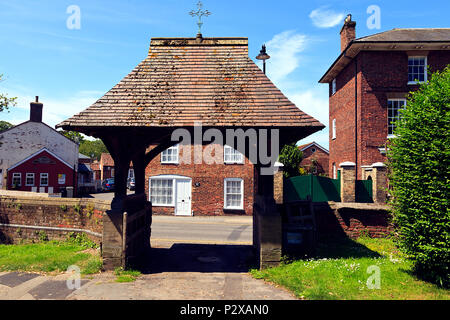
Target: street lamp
263	56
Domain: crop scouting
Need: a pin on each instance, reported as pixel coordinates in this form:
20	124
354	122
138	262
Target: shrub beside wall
420	178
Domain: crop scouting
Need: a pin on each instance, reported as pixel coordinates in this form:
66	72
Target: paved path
171	271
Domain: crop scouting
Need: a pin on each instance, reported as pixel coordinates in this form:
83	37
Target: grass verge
50	257
343	270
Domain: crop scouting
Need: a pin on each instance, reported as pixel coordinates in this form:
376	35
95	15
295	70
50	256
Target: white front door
183	197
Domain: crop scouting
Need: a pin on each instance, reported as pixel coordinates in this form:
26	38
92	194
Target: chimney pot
348	32
36	111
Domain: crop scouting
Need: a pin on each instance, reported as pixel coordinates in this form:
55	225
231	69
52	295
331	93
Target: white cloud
284	49
326	18
314	102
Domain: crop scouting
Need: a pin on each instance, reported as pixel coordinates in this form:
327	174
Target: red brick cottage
179	188
368	84
43	172
315	159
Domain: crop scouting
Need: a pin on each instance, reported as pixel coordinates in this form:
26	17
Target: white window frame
42	175
155	204
14	176
30	174
177	155
333	131
425	76
241	206
233	154
391	135
334	171
333	86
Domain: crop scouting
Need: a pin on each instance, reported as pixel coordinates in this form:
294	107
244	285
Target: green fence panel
297	188
363	191
319	189
325	189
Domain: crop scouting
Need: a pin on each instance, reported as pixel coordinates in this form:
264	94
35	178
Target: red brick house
43	171
178	188
368	84
106	166
315	159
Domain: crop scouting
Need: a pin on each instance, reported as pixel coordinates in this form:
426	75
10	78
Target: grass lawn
339	271
49	256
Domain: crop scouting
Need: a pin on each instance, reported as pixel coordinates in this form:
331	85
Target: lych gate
183	82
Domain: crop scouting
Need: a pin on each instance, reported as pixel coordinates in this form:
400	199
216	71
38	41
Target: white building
25	139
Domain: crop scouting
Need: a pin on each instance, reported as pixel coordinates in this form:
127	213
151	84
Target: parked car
108	184
130	183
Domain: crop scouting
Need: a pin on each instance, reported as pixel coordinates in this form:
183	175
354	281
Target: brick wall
52	213
208	197
353	220
342	108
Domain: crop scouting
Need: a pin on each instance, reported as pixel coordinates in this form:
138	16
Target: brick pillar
379	182
278	181
348	179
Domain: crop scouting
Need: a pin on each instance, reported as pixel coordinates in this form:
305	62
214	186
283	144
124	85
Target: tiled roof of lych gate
182	81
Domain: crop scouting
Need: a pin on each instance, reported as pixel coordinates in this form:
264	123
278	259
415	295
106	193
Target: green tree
93	148
5	125
419	162
5	102
74	136
290	157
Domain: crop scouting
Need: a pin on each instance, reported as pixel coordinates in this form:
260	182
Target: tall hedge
419	159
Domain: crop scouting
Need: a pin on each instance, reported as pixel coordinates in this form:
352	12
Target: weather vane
200	13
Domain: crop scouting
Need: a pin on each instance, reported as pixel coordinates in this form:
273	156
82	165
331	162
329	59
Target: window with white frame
417	69
231	155
44	179
29	180
17	179
170	155
333	136
234	193
333	87
162	192
394	106
334	171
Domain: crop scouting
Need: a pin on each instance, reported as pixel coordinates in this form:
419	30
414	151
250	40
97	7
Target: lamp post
263	56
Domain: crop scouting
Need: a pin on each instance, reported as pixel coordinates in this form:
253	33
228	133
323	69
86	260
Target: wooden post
139	172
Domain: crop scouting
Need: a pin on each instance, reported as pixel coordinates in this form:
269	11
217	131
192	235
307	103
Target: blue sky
71	68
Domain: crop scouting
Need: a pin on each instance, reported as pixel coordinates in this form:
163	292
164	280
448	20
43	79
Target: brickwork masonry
29	218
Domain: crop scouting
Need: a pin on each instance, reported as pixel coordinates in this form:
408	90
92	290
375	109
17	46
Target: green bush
420	178
290	157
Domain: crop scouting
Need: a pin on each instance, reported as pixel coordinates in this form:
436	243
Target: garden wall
32	218
353	219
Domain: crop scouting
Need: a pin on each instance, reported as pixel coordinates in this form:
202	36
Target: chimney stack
36	111
348	32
